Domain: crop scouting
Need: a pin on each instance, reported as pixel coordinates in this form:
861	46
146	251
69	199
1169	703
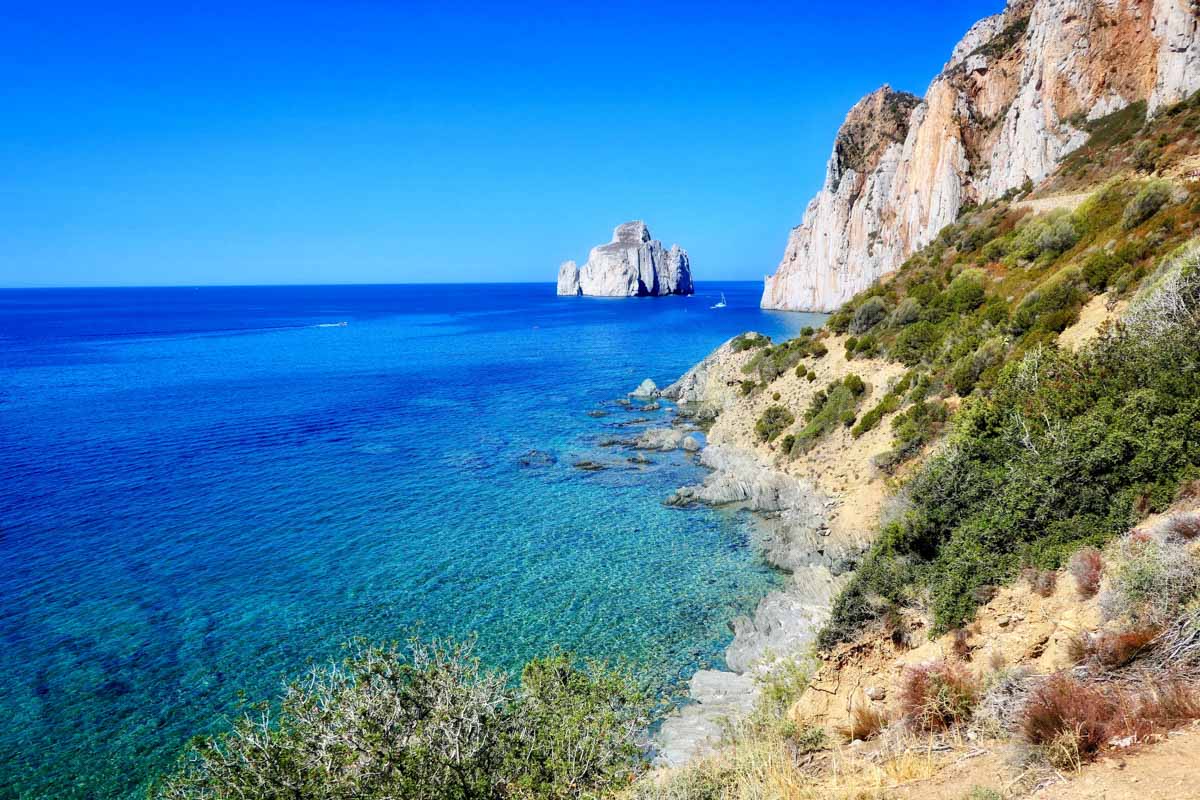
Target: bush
965	293
1149	580
830	407
908	312
1069	720
1114	649
915	343
1146	203
1145	157
868	315
1087	566
1099	268
748	341
426	722
865	721
1184	526
1042	582
938	696
967	371
774	421
855	385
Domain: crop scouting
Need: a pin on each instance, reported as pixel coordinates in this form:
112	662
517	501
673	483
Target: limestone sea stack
632	265
1010	104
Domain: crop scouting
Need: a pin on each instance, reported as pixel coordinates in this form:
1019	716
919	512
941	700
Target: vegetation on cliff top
1052	450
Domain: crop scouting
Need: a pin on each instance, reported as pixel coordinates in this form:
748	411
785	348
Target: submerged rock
537	458
597	412
651	407
589	466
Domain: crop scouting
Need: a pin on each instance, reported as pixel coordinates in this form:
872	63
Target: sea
204	491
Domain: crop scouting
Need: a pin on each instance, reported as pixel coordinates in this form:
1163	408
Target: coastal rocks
632	265
791	534
568	279
704	390
690	444
785	621
646	388
696	729
1006	109
664	439
589	466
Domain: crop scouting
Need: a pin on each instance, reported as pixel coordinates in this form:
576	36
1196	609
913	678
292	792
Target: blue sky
390	142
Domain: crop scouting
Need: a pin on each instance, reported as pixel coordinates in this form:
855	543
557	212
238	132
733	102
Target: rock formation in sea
631	265
1008	107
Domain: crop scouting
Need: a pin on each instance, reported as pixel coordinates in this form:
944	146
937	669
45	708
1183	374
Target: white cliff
1005	109
632	265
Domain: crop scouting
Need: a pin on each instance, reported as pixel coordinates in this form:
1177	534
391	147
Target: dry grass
1072	721
767	770
1041	582
1087	567
865	721
1069	719
1184	526
938	696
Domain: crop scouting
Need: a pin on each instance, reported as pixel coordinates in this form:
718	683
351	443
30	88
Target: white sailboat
720	304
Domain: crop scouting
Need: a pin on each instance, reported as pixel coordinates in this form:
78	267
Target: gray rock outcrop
632	265
568	279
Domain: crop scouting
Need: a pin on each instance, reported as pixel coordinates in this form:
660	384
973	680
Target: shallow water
202	488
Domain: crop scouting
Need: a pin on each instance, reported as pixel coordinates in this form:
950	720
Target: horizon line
46	287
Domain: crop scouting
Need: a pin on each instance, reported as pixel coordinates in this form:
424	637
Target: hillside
1018	95
1010	419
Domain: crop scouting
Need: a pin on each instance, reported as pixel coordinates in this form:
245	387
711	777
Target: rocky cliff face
631	265
1006	108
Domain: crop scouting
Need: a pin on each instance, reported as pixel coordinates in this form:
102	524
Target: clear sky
392	142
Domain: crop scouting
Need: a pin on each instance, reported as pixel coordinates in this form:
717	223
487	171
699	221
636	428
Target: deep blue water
200	489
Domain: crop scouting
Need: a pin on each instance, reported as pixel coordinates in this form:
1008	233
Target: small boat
720	304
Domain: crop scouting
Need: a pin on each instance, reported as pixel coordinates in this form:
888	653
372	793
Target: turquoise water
203	488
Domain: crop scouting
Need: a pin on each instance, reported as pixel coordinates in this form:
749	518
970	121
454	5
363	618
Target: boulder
646	388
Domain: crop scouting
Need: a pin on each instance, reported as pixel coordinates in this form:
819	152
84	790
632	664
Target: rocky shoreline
791	531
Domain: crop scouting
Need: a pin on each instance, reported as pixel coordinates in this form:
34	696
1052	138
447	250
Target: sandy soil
839	465
1092	318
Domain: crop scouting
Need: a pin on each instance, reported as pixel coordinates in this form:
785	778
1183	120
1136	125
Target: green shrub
966	372
965	293
1050	307
916	343
868	315
1146	203
774	421
1098	269
749	341
908	312
426	722
870	420
1145	157
1063	453
855	384
827	411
